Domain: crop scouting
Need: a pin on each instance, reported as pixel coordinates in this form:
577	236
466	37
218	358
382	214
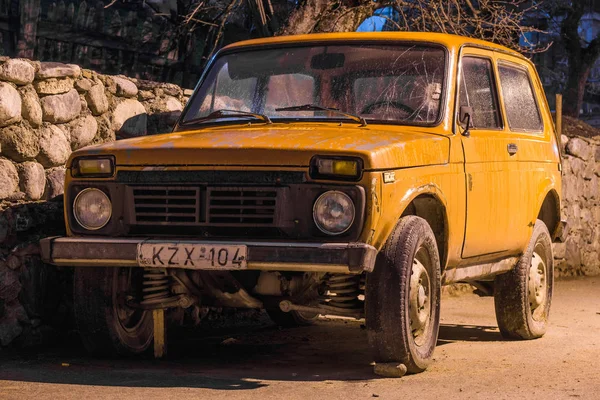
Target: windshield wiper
224	113
315	107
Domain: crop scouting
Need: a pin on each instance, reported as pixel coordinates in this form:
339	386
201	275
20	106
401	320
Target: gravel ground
253	359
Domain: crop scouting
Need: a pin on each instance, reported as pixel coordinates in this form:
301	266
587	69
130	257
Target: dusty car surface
333	174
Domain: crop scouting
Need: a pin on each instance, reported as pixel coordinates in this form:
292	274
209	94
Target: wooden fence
116	40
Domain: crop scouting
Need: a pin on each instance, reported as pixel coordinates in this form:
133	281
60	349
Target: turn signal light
343	168
93	167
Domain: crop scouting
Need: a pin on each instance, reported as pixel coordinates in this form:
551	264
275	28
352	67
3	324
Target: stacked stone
34	297
580	254
48	110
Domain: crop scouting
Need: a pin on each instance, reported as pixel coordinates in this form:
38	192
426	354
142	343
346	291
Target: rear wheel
522	296
403	297
106	323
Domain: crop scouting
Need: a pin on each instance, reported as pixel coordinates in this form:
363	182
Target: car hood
284	145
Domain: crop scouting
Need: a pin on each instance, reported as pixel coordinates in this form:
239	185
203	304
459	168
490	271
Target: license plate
192	255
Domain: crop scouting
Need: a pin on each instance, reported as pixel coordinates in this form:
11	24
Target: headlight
92	209
338	168
334	212
93	167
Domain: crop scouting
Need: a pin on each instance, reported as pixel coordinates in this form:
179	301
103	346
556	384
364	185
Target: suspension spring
156	287
343	291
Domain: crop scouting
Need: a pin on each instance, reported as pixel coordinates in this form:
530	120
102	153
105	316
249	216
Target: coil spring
343	291
156	287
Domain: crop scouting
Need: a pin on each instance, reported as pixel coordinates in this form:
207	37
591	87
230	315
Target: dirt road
331	361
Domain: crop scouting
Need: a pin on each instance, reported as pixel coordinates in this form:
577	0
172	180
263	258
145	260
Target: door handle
512	149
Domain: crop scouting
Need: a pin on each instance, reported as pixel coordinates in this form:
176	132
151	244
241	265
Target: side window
477	91
521	109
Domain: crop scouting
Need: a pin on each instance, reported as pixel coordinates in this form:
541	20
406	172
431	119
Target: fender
548	185
429	188
409	196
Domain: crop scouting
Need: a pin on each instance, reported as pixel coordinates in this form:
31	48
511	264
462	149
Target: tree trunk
320	16
575	88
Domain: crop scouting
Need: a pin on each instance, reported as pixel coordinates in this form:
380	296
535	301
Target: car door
537	158
491	170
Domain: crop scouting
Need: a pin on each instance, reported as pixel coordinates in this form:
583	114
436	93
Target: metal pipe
287	306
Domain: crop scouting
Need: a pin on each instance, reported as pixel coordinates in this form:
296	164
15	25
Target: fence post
81	15
559	114
29	10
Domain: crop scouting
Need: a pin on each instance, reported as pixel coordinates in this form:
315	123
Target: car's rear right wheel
522	296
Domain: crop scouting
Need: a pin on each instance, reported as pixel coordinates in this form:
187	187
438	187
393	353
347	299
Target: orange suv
335	174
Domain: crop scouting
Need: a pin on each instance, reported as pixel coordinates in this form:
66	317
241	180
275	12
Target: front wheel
403	297
522	296
106	324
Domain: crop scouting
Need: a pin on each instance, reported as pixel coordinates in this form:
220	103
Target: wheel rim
419	298
537	286
129	319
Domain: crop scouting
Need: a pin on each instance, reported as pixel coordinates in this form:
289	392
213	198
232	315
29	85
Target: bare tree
497	21
196	29
200	26
580	53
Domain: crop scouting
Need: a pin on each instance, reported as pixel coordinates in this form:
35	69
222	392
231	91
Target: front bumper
350	258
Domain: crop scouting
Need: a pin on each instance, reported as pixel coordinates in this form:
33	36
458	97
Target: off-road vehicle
333	174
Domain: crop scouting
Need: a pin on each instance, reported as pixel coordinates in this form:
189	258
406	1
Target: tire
522	296
403	288
106	325
291	319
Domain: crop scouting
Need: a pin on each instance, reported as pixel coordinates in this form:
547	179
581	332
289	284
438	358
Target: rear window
521	108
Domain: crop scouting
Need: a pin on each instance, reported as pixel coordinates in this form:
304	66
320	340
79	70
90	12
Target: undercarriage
306	292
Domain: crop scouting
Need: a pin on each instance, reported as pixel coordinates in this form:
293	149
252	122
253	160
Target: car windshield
385	83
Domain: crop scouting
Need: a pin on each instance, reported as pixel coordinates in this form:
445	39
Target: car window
521	109
400	83
289	90
477	91
413	93
226	93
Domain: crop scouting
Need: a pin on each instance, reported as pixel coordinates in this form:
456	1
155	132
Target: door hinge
470	180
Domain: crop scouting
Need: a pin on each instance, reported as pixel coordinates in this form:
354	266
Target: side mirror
464	119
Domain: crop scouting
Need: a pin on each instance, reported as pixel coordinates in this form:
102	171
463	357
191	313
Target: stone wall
35	298
580	206
48	110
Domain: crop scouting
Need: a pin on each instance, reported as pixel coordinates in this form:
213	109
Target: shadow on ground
468	333
238	358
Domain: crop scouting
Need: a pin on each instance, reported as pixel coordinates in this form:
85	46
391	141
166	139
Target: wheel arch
432	208
549	211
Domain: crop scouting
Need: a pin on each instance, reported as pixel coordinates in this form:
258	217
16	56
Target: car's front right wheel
403	297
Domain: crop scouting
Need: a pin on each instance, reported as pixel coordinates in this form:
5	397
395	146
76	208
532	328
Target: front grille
205	206
167	205
242	206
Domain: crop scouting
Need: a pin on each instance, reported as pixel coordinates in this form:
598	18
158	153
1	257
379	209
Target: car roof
447	40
